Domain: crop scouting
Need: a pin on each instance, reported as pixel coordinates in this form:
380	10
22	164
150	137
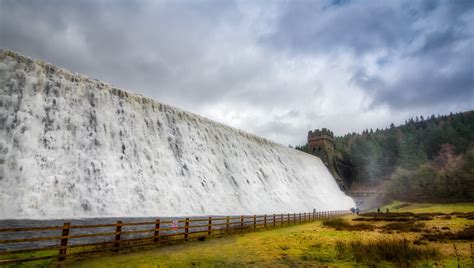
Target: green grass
398	206
306	244
398	251
311	244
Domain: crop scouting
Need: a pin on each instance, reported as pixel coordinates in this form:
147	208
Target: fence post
299	217
294	218
254	222
274	224
64	238
265	221
227	225
118	233
281	219
242	223
209	227
304	217
288	218
186	229
157	231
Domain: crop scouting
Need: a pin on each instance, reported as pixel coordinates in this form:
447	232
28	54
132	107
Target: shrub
465	234
396	251
409	226
341	249
337	223
424	218
341	224
361	227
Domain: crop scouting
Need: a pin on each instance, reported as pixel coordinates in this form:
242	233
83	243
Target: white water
75	147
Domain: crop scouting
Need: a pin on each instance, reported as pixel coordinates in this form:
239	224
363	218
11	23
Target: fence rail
122	235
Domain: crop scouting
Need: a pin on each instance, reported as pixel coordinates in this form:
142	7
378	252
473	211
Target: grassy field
317	244
398	206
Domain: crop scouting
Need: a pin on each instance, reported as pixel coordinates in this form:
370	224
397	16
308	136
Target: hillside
437	144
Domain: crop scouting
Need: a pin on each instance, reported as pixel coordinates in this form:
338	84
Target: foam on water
75	147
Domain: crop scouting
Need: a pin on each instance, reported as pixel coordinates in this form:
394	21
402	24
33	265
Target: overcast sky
272	68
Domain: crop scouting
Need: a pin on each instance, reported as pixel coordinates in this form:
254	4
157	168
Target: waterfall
74	147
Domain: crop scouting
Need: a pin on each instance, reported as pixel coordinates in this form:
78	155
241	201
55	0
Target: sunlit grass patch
398	206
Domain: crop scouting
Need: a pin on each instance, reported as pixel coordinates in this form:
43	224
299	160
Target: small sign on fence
174	225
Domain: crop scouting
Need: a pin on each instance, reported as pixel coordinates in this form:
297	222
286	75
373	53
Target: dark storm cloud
274	68
133	44
322	26
437	36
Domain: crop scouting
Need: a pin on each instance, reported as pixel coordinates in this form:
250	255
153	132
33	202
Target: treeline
447	177
426	157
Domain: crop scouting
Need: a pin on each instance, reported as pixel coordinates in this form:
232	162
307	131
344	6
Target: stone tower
321	144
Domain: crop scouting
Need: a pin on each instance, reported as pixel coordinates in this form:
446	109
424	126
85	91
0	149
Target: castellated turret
321	144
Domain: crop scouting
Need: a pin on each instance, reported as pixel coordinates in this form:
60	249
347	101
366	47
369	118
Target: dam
75	147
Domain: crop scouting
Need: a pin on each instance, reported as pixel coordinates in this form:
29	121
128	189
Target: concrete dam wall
73	147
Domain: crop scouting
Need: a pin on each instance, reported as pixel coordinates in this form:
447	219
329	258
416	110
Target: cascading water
74	147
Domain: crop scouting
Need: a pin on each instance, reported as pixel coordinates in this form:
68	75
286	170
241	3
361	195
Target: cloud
273	68
409	53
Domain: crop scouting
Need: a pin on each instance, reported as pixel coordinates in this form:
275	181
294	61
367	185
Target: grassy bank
398	206
316	244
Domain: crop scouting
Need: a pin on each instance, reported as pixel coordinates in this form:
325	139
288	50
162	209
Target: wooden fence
75	240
